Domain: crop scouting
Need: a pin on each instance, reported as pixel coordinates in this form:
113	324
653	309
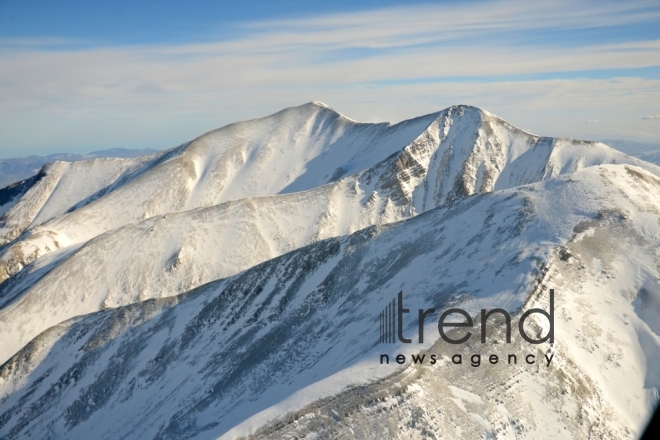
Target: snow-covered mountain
305	325
457	152
60	187
283	153
235	279
21	168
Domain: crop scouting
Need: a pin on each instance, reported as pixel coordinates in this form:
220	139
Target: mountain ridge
517	236
14	170
223	286
461	151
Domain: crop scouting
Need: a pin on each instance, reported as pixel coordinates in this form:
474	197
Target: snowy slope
167	255
58	188
462	150
21	168
296	149
171	254
457	152
241	351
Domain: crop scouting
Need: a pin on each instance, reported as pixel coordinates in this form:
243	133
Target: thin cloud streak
406	26
93	73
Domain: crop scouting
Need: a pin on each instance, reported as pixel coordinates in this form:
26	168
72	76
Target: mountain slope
18	169
305	325
293	150
296	149
462	150
58	188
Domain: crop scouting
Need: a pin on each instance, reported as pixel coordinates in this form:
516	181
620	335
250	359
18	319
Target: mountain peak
319	104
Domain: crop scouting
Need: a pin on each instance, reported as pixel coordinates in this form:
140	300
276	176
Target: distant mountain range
646	151
233	286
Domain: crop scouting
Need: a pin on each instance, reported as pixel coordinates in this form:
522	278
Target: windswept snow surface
201	363
59	188
21	168
245	272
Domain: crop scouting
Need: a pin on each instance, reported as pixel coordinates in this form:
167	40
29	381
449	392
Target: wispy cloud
362	62
426	23
651	117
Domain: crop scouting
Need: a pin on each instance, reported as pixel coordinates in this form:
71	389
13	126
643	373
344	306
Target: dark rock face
16	190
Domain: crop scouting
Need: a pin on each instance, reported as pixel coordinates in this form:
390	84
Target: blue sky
78	76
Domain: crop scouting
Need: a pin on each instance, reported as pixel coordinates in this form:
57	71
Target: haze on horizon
77	77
